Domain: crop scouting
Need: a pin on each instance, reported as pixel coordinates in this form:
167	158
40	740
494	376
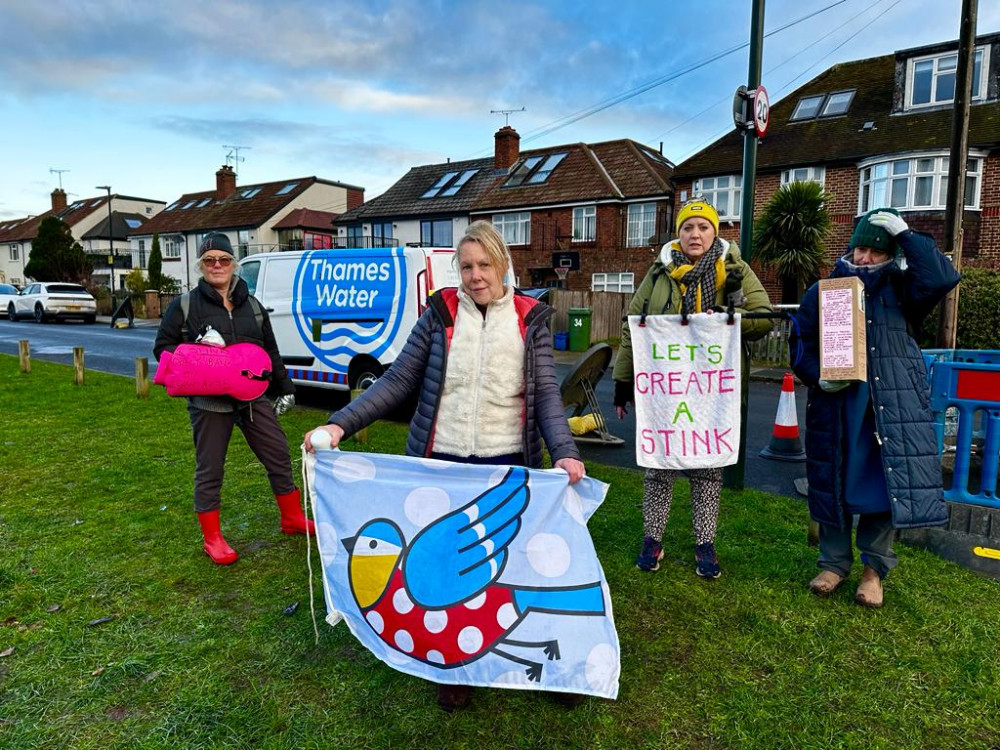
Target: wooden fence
607	310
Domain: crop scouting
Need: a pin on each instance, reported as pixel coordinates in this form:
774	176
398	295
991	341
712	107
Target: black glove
733	290
624	393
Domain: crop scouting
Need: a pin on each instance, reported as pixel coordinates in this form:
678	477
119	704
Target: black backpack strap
186	309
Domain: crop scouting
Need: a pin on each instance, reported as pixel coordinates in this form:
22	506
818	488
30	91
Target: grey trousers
874	539
212	431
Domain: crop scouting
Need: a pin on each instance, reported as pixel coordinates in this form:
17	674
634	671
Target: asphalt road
115	350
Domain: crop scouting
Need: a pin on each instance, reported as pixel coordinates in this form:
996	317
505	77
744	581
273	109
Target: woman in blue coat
870	446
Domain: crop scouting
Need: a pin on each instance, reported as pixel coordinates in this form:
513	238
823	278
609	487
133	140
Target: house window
807	108
436	187
287	188
457	184
204	202
641	223
534	170
243	241
722	192
584	224
14	251
142	253
249	192
171	248
612	282
381	231
822	105
931	80
804	174
515	227
914	184
436	233
355	236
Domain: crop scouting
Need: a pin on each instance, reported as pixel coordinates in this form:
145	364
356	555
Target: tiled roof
201	211
844	139
75	212
404	200
615	170
120	226
307	218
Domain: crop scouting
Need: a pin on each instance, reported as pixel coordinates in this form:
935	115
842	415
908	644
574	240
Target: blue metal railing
969	382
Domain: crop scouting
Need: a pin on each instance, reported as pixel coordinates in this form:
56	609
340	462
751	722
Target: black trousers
212	431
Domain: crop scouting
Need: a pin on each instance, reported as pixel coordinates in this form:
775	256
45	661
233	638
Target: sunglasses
221	260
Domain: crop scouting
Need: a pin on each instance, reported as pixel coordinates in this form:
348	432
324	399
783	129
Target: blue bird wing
460	554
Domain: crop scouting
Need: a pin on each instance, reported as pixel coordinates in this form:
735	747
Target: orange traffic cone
785	443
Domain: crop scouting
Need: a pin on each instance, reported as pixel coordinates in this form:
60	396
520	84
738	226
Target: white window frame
584	223
911	65
14	251
813	174
613	282
707	188
171	248
515	227
641	223
904	173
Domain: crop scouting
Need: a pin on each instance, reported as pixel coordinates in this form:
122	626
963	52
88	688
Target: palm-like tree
790	236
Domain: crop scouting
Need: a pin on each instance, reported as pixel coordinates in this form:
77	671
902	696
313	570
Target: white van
341	317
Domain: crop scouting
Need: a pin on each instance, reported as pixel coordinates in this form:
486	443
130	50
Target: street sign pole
735	475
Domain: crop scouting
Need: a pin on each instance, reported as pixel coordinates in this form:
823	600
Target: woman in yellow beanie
698	271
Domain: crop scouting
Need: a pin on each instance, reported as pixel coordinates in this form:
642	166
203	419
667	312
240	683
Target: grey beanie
215	241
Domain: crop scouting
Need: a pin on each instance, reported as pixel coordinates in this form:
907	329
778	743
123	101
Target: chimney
58	200
507	148
225	182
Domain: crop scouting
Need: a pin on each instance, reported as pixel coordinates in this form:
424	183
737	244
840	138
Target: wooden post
141	377
361	435
24	354
78	365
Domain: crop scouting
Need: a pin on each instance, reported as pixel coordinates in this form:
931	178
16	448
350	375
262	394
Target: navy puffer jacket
897	299
421	365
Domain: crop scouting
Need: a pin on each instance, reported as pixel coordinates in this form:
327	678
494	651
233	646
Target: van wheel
363	374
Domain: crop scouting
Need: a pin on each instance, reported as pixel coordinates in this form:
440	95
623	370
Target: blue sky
144	96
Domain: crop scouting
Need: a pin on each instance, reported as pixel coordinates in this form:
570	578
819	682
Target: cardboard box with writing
843	351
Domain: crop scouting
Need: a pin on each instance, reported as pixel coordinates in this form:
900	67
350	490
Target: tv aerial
507	113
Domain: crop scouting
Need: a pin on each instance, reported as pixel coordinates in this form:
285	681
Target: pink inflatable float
242	371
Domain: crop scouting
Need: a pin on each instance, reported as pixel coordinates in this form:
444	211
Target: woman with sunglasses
222	302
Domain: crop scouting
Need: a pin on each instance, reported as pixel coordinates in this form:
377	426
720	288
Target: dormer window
822	105
930	80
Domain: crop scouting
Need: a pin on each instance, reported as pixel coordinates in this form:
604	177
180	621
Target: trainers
707	561
649	558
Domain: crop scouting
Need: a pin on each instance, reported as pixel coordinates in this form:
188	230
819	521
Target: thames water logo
355	301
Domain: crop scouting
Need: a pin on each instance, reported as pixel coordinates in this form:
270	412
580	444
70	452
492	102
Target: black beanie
215	241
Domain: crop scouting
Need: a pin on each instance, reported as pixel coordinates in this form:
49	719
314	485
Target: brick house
873	132
429	205
248	215
589	207
82	217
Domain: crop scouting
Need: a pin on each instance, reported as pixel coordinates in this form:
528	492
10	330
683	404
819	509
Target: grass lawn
96	521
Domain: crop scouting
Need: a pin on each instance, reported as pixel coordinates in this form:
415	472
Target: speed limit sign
761	111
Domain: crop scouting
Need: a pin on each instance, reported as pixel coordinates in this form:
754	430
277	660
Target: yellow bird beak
370	575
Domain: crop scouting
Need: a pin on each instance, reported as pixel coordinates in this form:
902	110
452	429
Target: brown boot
825	583
453	697
870	589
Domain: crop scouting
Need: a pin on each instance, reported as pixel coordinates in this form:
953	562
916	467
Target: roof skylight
534	170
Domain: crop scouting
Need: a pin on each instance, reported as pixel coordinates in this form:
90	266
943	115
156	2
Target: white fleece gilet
482	402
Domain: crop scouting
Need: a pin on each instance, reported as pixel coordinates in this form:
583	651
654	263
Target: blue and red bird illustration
438	598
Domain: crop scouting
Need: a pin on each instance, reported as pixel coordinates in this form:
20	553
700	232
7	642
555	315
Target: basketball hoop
561	273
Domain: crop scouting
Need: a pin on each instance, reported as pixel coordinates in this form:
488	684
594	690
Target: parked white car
7	294
45	301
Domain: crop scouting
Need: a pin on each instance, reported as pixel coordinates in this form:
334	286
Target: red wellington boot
293	521
215	546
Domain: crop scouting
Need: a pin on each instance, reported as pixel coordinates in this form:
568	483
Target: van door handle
269	309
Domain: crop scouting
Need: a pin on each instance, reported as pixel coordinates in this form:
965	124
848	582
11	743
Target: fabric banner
687	391
462	574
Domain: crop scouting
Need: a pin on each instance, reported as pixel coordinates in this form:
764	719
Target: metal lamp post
111	238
